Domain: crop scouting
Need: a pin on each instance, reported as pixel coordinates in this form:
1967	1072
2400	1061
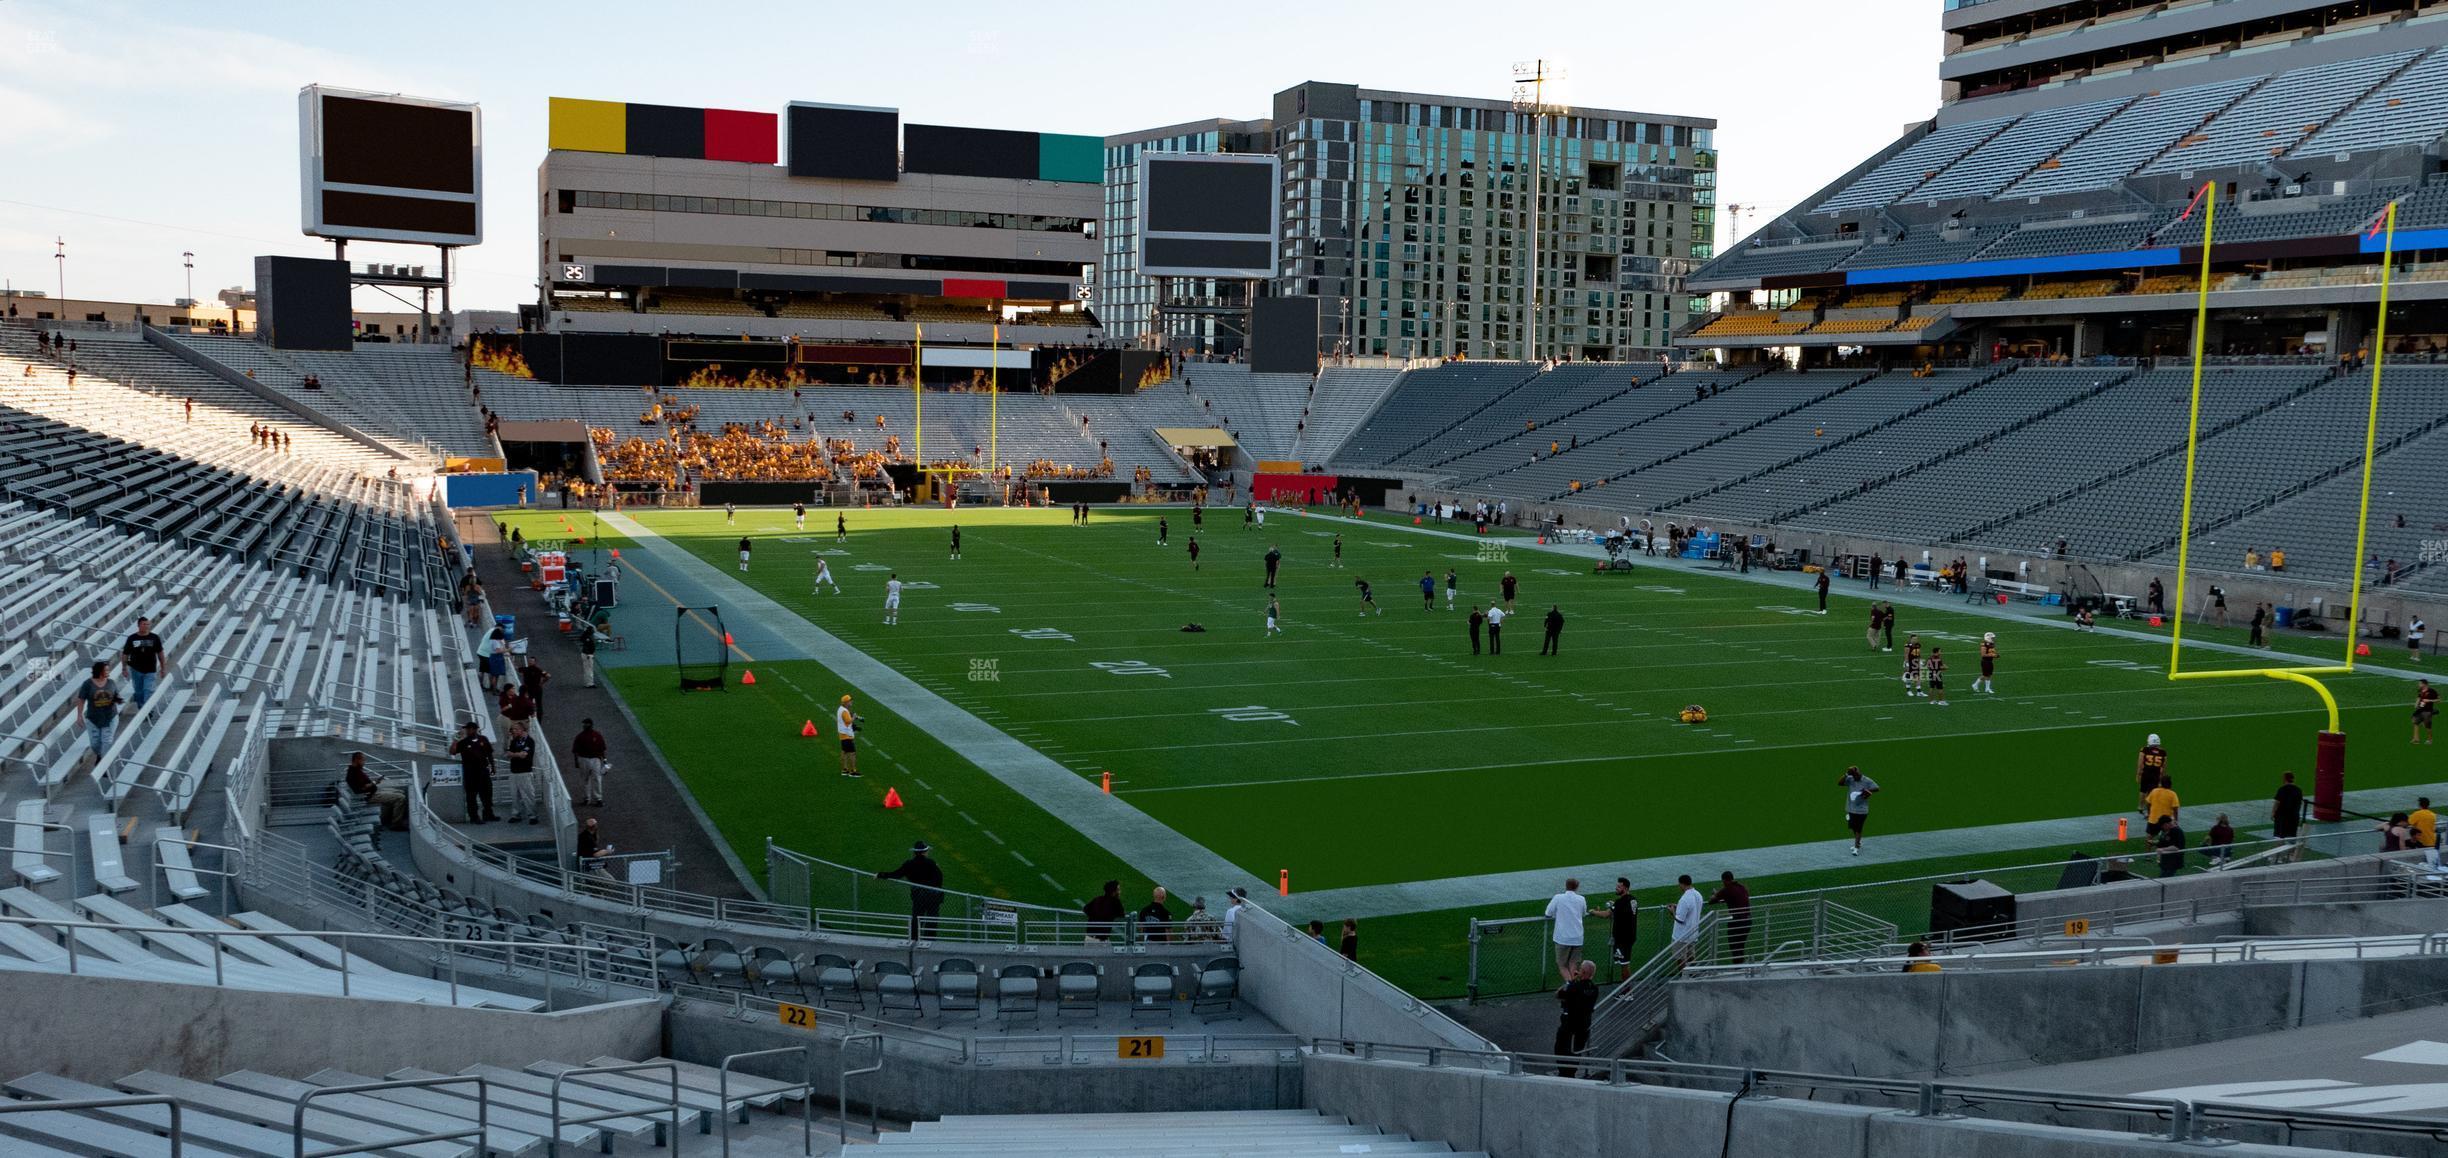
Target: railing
1065	1049
806	1087
1926	1099
475	1135
2088	951
178	1132
552	1144
841	1082
281	867
798	881
245	782
223	875
449	948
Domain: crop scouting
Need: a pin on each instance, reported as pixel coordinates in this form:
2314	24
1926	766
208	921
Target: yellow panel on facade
589	126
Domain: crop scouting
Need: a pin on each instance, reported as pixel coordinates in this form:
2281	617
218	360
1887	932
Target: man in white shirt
1686	919
1232	913
845	728
1565	913
1495	625
892	599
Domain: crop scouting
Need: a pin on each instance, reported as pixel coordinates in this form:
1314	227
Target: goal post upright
2329	751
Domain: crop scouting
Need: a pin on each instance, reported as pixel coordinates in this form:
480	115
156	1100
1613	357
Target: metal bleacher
2012	153
1892	177
2411	108
2123	142
2277	116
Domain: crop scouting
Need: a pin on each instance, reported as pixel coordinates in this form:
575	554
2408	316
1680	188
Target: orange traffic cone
808	729
1415	520
616	552
892	798
2155	621
747	677
726	639
2363	649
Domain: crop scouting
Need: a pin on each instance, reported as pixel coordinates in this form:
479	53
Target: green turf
577	529
1404	757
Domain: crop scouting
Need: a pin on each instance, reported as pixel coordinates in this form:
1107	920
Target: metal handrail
2223	951
178	1132
552	1144
2182	1117
806	1088
841	1088
476	1134
451	946
224	875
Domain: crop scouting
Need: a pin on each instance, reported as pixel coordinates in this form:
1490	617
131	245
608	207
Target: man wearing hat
845	725
475	754
925	879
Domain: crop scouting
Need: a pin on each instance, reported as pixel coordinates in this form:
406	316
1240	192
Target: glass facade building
1125	302
1411	215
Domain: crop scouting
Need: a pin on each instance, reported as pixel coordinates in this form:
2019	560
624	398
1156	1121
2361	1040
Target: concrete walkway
1139	839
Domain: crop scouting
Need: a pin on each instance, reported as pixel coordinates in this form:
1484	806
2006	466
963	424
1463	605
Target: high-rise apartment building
1411	215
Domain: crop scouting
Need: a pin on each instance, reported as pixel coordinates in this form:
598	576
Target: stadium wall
97	1029
1966	1023
927	1081
1531	1116
490	490
1310	990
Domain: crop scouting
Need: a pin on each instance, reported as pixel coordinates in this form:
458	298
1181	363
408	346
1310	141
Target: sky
140	131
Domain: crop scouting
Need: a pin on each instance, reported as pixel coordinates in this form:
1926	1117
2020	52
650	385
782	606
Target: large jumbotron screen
1207	215
384	167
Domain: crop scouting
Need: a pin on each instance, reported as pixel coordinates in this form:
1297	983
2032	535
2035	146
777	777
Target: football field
1367	746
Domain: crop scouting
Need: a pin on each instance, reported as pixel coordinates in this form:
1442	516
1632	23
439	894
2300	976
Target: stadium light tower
1530	81
188	256
60	255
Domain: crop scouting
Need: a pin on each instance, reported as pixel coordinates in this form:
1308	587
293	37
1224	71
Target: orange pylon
892	798
1109	783
1283	883
808	729
747	677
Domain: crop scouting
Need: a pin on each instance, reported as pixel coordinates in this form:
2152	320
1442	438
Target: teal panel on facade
1070	158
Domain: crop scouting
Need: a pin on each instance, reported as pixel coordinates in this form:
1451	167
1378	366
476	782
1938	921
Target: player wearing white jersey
892	599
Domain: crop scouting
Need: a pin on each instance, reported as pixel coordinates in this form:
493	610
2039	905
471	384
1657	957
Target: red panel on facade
731	135
964	287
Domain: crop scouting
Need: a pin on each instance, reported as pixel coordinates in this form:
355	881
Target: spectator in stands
1102	911
589	752
1155	917
925	880
2396	835
2157	598
475	753
532	678
2286	813
586	655
1684	940
1350	946
99	699
2277	559
592	846
1736	897
2218	840
145	658
372	788
2171	845
526	796
497	656
1579	999
1917	958
513	706
2161	805
1567	912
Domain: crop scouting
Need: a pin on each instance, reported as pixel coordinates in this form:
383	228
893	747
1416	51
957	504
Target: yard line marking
991	836
965	816
1049	880
1022	859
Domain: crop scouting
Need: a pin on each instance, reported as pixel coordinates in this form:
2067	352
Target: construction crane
1734	214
